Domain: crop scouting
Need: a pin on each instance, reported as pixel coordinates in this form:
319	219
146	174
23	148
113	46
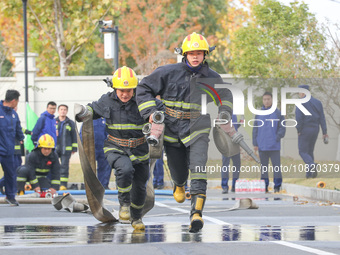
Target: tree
328	88
332	33
5	64
95	65
59	30
231	18
209	17
281	42
147	30
10	38
150	30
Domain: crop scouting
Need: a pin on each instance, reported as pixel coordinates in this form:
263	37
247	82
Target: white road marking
303	248
284	243
211	219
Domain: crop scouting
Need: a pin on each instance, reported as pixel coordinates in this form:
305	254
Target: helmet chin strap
194	69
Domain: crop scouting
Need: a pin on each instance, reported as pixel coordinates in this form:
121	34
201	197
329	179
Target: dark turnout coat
181	89
123	121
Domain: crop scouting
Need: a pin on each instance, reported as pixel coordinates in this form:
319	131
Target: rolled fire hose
34	199
28	200
150	192
321	185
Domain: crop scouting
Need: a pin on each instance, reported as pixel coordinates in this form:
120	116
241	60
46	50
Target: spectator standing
158	174
46	123
10	129
267	140
66	143
103	168
308	127
226	166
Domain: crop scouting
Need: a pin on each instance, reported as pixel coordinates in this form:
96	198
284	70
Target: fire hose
94	189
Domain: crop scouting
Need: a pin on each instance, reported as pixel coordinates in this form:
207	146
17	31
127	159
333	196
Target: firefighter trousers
193	158
64	168
26	174
131	183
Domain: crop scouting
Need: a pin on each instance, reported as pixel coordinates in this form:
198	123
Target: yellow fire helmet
124	78
195	42
46	141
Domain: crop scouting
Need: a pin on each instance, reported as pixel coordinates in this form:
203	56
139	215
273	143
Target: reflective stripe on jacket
42	165
67	137
124	121
181	89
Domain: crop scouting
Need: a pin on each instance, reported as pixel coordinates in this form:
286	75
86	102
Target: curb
312	193
293	189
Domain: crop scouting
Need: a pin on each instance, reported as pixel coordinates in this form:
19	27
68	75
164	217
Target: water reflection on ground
35	235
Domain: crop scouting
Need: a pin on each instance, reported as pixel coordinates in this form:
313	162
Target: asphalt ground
281	225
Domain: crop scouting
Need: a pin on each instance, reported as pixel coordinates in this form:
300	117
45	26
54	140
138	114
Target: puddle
41	235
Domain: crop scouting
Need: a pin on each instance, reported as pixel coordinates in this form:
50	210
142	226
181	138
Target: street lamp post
24	2
25	48
115	41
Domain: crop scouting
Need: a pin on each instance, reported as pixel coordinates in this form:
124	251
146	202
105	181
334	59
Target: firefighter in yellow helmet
186	137
125	149
40	162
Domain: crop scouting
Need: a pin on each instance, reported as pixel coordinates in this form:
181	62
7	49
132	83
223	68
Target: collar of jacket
38	149
6	108
204	70
264	108
47	114
66	120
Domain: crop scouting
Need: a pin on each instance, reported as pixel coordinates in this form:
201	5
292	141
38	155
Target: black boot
197	204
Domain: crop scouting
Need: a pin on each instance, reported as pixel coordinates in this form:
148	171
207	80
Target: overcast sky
322	8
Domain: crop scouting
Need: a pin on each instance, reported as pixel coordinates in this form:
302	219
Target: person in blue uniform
267	137
10	129
103	168
308	128
158	174
226	167
46	124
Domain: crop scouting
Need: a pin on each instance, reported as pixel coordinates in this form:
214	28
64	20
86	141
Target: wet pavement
282	224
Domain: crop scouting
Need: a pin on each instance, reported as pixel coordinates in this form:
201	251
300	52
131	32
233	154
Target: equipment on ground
47	194
321	185
68	203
